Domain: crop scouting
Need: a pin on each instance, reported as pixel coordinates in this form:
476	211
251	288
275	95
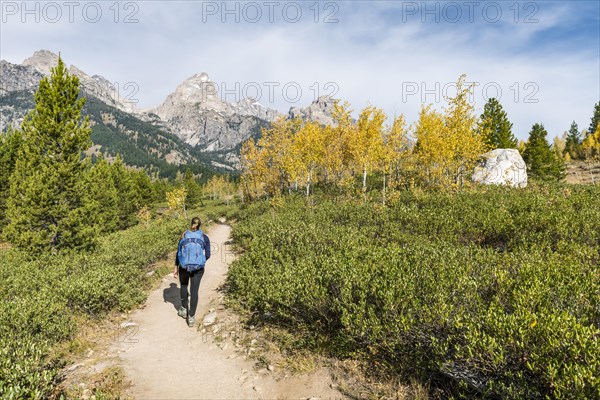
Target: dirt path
167	360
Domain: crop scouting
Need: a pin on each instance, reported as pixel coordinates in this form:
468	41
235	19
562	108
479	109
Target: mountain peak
320	110
202	76
42	61
197	88
28	75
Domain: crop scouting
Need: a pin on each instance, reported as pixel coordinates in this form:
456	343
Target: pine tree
193	196
45	209
144	186
542	162
573	141
595	120
102	197
9	148
495	126
128	196
159	189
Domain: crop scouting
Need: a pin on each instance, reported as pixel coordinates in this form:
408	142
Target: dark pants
184	278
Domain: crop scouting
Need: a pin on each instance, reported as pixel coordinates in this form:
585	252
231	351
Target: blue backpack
191	251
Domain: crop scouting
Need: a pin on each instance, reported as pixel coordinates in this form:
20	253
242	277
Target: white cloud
370	54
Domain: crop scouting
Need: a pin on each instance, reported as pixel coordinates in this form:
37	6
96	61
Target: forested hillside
139	143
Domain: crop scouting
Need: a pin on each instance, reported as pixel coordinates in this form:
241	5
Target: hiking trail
165	359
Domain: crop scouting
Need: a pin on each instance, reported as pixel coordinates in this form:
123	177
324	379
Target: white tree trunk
384	175
365	183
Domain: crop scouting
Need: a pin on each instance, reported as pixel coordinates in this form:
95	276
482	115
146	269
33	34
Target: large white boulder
502	167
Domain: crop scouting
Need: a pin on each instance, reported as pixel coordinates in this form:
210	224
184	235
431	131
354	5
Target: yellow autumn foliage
295	154
448	143
591	145
176	200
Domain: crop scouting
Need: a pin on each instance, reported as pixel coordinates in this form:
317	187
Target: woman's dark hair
195	224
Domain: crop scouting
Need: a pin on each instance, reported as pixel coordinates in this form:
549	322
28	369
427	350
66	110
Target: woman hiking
192	253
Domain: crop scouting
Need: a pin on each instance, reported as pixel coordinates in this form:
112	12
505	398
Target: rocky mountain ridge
27	76
320	110
194	113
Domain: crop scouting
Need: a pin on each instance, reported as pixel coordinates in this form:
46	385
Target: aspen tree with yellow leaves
294	153
219	187
270	165
309	150
396	151
333	158
176	200
274	144
366	144
432	151
250	179
337	156
449	143
590	147
461	123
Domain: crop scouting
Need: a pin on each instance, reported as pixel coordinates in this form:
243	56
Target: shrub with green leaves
494	292
39	298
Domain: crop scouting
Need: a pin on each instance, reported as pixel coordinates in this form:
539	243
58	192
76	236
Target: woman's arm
206	246
176	271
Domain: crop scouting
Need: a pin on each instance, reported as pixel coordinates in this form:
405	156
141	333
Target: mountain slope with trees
140	143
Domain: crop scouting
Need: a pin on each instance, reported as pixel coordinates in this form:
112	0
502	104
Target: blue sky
542	58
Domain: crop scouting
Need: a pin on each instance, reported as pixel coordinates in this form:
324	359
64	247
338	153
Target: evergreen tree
595	120
542	162
193	189
144	187
495	126
46	209
101	196
160	187
9	147
573	141
129	199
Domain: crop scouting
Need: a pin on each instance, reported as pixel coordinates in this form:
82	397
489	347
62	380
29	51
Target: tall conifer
496	127
9	148
46	209
542	162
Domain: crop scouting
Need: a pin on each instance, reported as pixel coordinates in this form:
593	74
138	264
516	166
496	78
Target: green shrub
26	373
39	298
494	291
